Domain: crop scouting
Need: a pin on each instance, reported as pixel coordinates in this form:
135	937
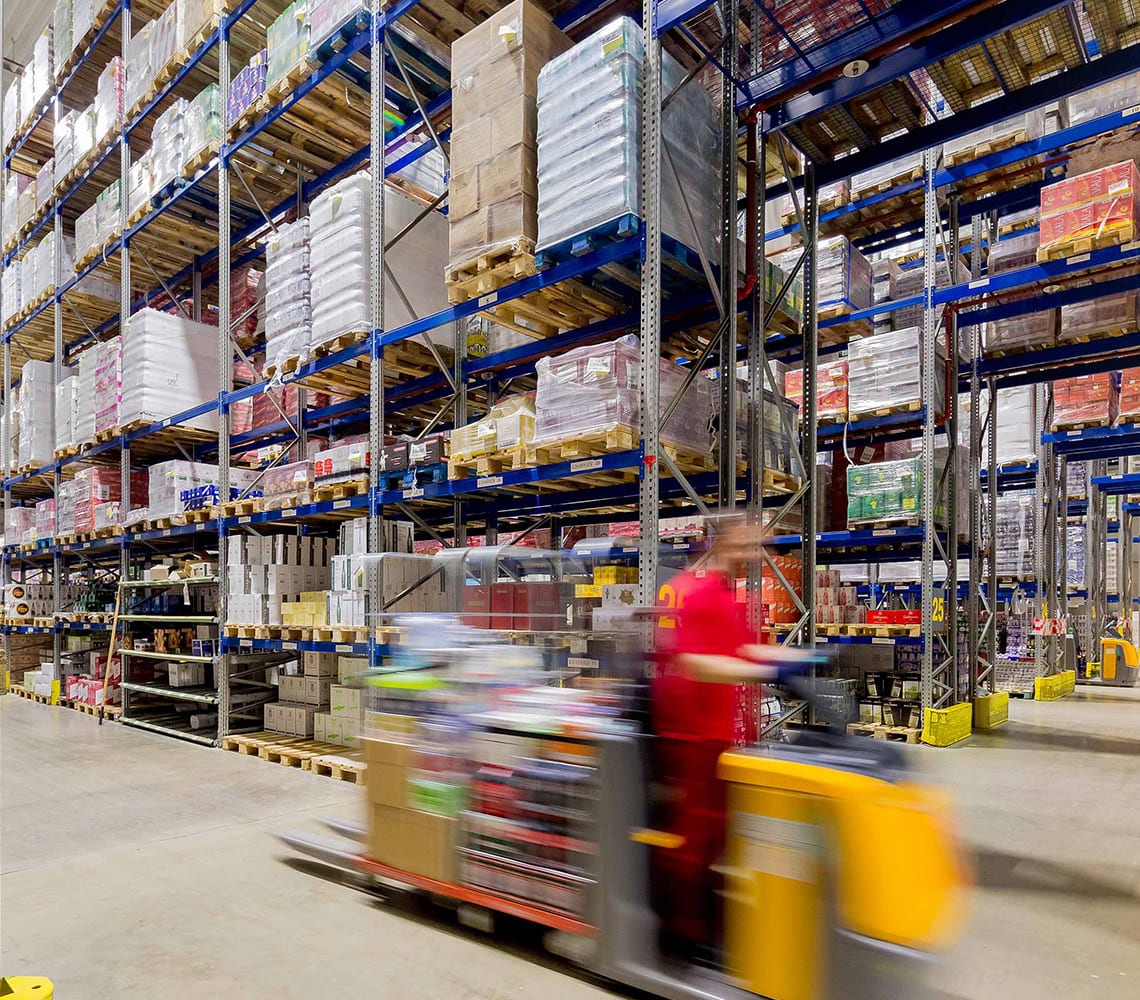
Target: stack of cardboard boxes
1089	210
1086	400
268	572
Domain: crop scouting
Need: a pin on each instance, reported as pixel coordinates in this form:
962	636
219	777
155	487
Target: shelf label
167	532
879	641
484	481
245	519
344	647
578	647
1129	112
413	492
1078	259
883	532
246	643
289	512
288	645
582	663
586	465
1072	433
489	299
980	283
167	422
341	504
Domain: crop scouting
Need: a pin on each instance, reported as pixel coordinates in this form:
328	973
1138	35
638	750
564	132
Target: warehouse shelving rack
793	98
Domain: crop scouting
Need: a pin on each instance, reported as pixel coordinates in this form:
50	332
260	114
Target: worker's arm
719	669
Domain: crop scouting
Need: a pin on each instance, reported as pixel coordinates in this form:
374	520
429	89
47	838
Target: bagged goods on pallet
1117	95
34	404
1013	533
339	252
288	311
140	69
1094	209
509	423
287	41
168	139
494	87
203	123
140	182
1104	316
1086	400
163	38
588	139
66	411
169	365
246	87
884	373
830	390
100	485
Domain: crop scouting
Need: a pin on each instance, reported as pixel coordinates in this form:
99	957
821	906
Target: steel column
726	450
222	662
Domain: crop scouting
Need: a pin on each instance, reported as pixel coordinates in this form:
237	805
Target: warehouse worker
700	708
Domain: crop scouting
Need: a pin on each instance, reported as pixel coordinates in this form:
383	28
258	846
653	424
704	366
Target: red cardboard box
502	606
1121	180
1086	399
905	617
477	606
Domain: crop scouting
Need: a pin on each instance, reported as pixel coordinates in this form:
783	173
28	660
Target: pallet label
247	643
288	645
1129	112
484	481
166	532
340	504
245	519
344	647
980	283
289	512
1078	259
582	662
413	492
876	640
586	465
883	532
489	300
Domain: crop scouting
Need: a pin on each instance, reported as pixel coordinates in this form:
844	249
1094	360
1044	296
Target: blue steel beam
901	22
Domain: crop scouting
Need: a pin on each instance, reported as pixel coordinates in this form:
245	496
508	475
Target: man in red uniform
707	652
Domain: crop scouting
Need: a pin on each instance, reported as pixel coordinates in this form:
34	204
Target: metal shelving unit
799	93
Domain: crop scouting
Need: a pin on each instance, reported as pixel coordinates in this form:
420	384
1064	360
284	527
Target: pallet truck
842	875
1119	660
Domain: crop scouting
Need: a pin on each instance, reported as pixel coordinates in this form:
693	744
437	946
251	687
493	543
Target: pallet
842	331
1078	425
896	521
417	476
249	115
583	243
1087	244
339	343
898	180
42	699
286	366
342	768
340	490
111	713
983	149
494	462
277	748
914	406
199	515
892	734
283	87
779	482
66	452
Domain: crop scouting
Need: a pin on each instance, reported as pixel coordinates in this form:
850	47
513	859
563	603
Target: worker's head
736	541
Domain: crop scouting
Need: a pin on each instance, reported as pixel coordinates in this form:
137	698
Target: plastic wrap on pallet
45	519
1086	400
87	365
588	129
11	111
346	460
844	275
100	485
177	486
1013	253
1013	535
288	314
1129	407
107	204
908	283
328	16
293	480
42	69
287	41
140	183
1111	314
884	373
110	96
169	365
203	123
1076	480
34	405
246	87
10	303
1017	428
830	390
45	183
108	384
1094	205
168	140
192	17
885	491
62	39
1020	332
163	38
339	246
1121	93
140	70
510	422
869	181
494	86
66	411
17	521
792	302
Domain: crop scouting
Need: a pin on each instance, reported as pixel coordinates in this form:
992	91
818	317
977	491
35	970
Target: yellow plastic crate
943	727
991	710
1055	686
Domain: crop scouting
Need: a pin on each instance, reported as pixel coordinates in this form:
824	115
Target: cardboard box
619	595
390	836
388	764
319	664
502	605
317	690
320	726
350	668
344	700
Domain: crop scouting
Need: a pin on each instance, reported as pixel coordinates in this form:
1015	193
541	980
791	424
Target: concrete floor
136	865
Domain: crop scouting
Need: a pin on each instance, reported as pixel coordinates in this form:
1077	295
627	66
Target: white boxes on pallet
177	486
66	411
339	253
1016	428
169	366
35	402
884	373
288	313
588	139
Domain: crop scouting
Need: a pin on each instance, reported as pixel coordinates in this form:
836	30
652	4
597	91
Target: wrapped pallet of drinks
1076	480
246	87
494	85
1013	533
140	69
1109	315
203	122
109	98
61	33
588	132
288	311
884	374
1096	102
1018	332
1129	407
844	277
167	144
99	485
1090	210
194	16
66	412
909	284
169	365
287	42
164	38
1086	401
45	519
34	405
886	491
830	390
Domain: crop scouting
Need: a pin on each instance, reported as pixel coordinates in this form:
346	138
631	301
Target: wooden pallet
340	490
897	180
982	149
283	87
339	343
843	330
898	521
914	406
1078	425
779	482
343	768
1116	236
200	515
501	460
111	713
292	751
892	734
42	699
